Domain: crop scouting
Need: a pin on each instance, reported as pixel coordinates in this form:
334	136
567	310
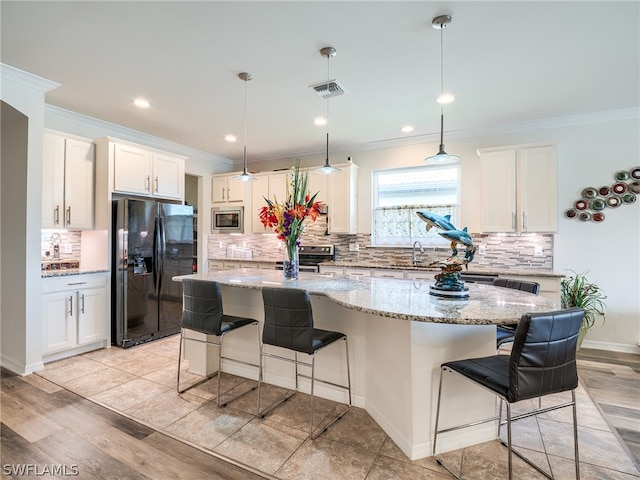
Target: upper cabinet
67	181
342	200
267	185
519	189
226	189
136	170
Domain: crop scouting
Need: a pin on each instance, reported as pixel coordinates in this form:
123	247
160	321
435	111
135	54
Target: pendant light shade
245	176
440	23
327	168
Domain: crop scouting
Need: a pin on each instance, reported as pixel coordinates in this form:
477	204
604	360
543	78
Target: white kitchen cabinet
317	183
331	270
342	200
67	181
132	169
419	275
266	186
385	273
519	190
75	312
226	189
357	272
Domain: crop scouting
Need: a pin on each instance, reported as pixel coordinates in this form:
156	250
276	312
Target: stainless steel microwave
227	219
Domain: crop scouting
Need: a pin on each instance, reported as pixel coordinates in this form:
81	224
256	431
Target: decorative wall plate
614	201
597	204
570	213
584	216
589	193
580	205
621	175
604	191
634	187
635	173
597	217
629	198
619	188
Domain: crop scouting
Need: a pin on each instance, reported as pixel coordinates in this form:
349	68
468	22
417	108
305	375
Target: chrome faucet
414	257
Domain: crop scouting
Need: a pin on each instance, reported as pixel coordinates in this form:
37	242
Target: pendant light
327	169
440	23
245	176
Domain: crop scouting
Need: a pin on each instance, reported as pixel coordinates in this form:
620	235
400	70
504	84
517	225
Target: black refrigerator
152	242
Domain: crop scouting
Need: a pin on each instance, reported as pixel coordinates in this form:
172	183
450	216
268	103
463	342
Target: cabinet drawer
428	276
357	272
73	282
388	273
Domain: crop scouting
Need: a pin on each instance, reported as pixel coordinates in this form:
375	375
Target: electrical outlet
483	249
537	251
68	248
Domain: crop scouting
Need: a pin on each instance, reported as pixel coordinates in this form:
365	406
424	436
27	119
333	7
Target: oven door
301	268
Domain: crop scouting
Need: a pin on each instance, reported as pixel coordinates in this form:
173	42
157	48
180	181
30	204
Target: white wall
590	150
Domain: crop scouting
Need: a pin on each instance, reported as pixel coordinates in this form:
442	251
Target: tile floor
140	383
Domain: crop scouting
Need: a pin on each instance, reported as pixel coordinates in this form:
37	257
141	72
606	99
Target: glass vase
291	265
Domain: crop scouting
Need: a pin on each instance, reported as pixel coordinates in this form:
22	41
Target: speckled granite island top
396	298
69	271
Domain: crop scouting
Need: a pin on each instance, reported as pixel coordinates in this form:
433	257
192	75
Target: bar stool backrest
543	357
288	319
202	309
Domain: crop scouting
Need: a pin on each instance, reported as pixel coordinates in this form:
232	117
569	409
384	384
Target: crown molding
130	135
25	78
516	127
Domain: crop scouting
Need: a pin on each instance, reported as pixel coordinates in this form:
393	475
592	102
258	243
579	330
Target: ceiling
505	61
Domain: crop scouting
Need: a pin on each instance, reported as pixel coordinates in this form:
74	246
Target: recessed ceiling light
230	138
446	98
407	128
319	121
141	102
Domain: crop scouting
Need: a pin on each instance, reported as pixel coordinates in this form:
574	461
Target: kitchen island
399	335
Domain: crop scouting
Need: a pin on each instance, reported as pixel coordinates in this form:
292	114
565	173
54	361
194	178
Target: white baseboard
19	368
612	347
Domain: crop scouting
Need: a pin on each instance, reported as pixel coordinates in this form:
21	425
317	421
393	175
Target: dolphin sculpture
457	236
438	221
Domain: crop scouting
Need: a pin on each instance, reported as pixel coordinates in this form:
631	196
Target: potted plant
577	291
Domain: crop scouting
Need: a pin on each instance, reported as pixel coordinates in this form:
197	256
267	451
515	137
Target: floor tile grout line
171	435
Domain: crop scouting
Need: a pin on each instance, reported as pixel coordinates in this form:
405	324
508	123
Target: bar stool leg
179	359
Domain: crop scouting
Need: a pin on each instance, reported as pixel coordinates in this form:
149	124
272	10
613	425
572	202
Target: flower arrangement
287	218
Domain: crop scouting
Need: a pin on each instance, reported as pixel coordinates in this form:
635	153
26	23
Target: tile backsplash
495	250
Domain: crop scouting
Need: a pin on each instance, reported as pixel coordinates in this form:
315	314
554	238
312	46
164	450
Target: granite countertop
70	271
473	269
396	298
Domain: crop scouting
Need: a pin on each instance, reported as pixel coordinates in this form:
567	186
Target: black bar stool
202	312
542	362
288	323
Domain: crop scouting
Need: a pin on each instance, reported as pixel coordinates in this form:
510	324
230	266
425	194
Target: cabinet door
357	272
537	190
218	189
318	183
278	186
259	191
92	315
79	184
342	200
58	321
235	189
131	170
383	273
168	176
52	181
499	191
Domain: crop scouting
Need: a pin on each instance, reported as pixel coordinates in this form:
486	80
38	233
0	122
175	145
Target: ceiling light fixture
327	169
141	102
440	23
245	176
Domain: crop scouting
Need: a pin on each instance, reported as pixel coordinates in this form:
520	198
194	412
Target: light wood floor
46	426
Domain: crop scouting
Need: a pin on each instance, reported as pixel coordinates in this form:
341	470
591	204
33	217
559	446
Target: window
399	193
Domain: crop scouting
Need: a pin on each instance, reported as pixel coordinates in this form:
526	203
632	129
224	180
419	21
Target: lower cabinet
75	312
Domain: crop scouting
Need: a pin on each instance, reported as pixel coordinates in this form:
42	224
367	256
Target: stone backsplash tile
502	250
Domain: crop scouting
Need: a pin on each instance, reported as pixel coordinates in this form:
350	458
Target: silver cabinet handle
82	308
69	215
148	189
513	220
524	221
156	182
71	306
56	214
223	193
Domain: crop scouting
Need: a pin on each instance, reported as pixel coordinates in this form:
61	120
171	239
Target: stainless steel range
311	256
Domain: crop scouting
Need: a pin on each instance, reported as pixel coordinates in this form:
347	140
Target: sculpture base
463	292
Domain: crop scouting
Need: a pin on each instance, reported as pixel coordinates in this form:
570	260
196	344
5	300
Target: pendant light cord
328	80
245	126
441	85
